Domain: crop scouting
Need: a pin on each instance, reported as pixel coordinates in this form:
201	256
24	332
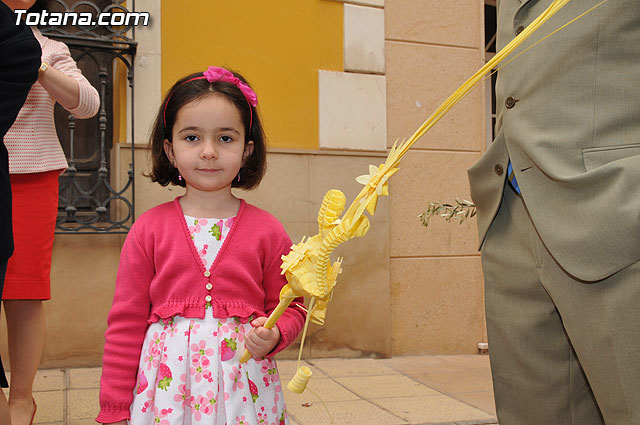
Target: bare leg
25	328
5	418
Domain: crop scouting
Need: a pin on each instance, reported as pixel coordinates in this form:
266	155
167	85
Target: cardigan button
207	273
209	286
207	298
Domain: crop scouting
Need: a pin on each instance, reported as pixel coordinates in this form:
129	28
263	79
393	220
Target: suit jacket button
498	169
510	102
519	30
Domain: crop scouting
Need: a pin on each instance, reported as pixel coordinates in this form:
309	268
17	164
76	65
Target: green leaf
215	232
463	210
164	383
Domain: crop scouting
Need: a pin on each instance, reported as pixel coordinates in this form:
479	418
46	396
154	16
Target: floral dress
190	370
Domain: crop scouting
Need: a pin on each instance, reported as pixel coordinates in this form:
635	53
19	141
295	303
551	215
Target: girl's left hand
260	340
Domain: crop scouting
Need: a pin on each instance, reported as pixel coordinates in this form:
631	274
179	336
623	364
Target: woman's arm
65	83
62	88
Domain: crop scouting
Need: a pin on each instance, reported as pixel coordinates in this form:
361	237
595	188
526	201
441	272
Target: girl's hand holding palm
260	340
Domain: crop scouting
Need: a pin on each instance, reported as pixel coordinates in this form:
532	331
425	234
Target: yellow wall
278	45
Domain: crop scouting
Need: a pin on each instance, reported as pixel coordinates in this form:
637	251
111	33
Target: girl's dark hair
39	6
182	93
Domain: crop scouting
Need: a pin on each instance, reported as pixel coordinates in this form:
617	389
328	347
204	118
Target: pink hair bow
215	73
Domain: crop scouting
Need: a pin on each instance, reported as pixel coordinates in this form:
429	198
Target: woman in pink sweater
36	160
199	275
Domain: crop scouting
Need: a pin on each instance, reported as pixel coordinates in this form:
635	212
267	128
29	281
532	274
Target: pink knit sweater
32	140
161	275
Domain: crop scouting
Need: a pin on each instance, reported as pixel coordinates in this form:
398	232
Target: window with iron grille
88	200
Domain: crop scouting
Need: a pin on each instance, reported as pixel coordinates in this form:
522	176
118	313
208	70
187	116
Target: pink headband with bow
215	73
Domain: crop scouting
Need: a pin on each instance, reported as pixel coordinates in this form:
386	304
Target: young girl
198	275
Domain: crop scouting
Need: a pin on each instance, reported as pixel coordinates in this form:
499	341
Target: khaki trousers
563	351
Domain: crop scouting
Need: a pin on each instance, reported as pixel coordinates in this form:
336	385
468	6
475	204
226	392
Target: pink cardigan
32	140
161	275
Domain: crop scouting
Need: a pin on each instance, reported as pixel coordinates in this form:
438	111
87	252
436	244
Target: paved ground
403	390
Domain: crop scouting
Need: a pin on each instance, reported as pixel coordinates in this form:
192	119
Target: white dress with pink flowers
190	370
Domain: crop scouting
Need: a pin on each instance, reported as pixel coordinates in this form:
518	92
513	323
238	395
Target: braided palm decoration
308	266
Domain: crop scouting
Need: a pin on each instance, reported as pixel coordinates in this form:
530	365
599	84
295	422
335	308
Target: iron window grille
88	202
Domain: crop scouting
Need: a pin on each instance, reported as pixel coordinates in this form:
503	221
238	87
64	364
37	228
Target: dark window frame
490	30
88	204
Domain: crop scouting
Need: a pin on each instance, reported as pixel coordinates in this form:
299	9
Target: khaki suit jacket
568	117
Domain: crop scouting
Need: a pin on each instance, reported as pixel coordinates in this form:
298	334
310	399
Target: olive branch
462	211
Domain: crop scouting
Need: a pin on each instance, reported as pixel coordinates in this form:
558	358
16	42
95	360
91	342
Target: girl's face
208	145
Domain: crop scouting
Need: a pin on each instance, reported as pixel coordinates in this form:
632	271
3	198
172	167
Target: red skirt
35	208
